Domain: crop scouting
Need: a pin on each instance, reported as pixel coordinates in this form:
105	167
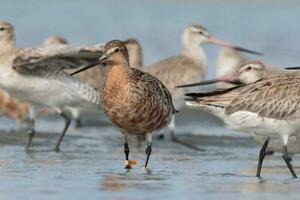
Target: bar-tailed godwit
137	102
228	61
36	75
248	72
135	52
189	66
54	40
95	76
268	108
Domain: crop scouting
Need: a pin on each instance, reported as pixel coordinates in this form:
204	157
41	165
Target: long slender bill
103	57
230	78
292	68
237	48
86	68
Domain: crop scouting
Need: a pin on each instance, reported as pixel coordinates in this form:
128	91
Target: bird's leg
67	123
78	123
31	128
262	155
161	136
31	133
175	139
269	152
126	151
286	158
149	148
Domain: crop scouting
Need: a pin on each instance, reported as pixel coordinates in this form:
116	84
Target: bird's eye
2	28
117	50
201	33
248	68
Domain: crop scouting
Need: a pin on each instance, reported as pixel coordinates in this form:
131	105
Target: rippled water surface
90	164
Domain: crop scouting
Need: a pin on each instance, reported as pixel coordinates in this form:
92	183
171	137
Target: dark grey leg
78	123
262	155
31	133
126	151
287	159
175	139
67	123
149	148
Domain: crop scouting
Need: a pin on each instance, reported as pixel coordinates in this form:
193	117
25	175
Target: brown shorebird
95	76
189	66
248	72
135	52
87	77
138	103
13	108
230	60
54	40
36	75
268	108
10	106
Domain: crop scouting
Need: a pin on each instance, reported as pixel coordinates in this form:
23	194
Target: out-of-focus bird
187	67
55	40
36	75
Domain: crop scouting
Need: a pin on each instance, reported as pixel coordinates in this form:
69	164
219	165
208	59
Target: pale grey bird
37	75
187	67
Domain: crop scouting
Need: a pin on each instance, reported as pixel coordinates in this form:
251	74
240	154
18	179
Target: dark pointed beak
99	61
231	78
237	48
292	68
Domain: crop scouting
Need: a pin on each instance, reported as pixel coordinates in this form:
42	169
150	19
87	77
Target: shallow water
90	164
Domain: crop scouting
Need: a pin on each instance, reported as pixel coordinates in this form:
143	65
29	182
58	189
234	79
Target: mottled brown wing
37	61
155	88
273	97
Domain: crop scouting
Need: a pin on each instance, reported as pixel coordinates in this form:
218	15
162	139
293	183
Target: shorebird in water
268	108
76	112
230	60
55	40
95	76
10	106
13	108
189	66
135	101
248	72
36	75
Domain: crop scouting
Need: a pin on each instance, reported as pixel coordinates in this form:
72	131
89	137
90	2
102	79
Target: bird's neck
116	85
195	52
7	45
116	75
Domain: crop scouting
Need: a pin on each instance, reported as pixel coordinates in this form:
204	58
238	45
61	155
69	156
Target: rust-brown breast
135	101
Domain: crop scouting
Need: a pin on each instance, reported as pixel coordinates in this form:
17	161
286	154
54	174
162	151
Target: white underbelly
249	122
47	92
